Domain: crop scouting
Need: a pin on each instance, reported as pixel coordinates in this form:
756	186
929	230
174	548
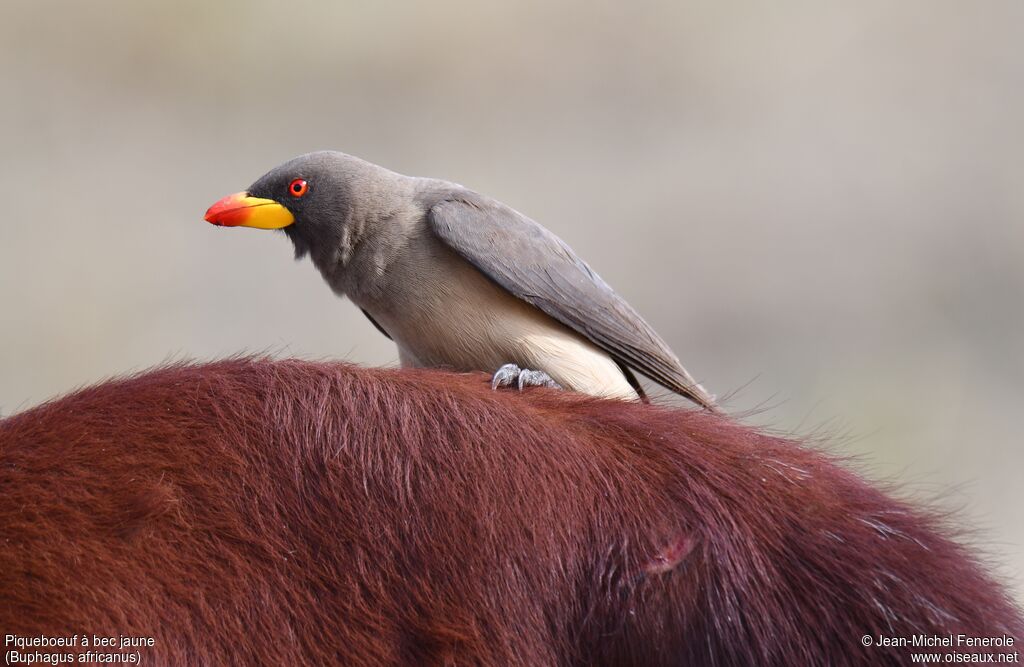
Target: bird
459	280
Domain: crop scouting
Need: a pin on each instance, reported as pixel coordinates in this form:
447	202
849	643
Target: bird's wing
539	268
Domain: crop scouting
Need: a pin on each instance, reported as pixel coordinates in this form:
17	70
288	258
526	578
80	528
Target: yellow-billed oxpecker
458	280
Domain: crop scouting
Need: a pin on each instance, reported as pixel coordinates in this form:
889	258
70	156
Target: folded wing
536	266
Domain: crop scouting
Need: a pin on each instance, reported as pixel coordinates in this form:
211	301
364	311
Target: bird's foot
510	374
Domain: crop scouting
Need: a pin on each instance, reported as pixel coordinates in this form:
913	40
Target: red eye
298	187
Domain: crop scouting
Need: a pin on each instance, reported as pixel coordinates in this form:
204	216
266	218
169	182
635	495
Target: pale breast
442	312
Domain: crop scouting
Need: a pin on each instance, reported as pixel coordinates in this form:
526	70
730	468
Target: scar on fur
671	556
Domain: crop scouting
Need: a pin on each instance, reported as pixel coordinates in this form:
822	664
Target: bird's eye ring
298	187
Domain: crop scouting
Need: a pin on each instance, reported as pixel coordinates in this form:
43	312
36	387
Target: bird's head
306	197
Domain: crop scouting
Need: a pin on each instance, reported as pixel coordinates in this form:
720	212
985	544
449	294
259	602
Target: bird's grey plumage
539	268
460	280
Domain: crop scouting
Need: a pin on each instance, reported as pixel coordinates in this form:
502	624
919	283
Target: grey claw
528	378
510	374
505	376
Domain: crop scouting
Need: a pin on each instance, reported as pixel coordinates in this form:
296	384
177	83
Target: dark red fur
290	513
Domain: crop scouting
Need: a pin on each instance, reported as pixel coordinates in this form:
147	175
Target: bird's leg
505	376
528	378
522	377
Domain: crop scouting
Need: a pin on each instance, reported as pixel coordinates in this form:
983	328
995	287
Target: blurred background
818	205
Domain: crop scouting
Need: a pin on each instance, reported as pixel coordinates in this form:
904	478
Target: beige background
817	204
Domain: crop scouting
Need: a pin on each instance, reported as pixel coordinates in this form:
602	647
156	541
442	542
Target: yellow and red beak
241	210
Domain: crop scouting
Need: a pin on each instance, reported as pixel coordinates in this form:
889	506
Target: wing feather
536	266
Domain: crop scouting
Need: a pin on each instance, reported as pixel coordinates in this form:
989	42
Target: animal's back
258	512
